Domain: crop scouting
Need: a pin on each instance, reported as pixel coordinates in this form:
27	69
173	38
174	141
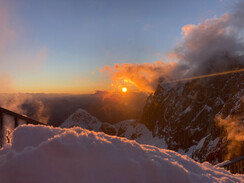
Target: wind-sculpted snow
45	154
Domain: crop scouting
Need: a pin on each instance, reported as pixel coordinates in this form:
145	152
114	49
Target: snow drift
45	154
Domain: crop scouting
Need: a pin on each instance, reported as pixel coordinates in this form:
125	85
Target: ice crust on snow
45	154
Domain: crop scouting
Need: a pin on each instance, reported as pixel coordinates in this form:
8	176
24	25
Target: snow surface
43	154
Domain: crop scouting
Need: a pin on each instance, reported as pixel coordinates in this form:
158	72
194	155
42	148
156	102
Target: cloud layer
20	103
143	76
235	135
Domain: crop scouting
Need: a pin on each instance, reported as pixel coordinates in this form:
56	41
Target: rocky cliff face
185	114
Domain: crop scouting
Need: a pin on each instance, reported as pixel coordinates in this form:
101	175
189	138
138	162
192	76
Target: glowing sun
124	89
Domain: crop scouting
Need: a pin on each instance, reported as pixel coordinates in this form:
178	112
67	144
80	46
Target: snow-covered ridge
83	119
45	154
128	128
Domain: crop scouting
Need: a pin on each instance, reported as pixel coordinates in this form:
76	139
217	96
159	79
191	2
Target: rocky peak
184	114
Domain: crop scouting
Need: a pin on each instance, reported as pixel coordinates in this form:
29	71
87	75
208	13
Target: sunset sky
60	46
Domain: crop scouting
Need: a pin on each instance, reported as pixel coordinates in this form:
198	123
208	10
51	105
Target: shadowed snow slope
45	154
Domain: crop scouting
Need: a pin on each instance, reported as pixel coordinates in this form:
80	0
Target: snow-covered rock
72	155
82	119
184	114
130	129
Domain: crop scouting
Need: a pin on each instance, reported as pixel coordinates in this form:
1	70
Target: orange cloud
234	128
144	77
186	30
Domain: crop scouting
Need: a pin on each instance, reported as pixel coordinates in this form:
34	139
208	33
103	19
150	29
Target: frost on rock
45	154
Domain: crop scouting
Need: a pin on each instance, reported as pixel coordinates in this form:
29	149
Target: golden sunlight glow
208	75
124	89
